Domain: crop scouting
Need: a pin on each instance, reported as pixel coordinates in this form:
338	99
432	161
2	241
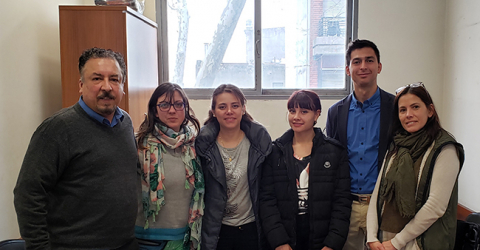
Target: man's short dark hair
95	52
359	44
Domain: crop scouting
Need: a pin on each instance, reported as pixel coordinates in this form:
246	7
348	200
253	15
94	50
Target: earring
213	115
314	123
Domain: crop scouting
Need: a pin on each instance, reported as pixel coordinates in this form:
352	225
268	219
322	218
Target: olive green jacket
441	235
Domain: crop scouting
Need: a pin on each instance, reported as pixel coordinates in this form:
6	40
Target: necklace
228	154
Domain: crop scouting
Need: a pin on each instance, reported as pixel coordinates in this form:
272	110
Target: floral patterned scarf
153	176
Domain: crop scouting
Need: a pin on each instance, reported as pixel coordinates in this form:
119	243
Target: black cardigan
329	202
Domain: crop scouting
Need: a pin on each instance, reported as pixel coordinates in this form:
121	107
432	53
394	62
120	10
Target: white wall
410	34
461	91
30	88
149	9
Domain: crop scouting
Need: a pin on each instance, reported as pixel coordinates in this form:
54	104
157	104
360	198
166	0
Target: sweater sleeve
38	175
444	176
269	214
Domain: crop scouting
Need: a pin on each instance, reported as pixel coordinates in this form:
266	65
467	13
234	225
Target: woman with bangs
171	204
305	189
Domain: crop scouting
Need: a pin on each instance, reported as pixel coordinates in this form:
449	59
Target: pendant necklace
228	153
229	157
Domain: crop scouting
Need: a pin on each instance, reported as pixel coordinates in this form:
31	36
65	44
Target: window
266	47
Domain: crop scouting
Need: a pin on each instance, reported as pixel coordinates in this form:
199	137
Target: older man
77	185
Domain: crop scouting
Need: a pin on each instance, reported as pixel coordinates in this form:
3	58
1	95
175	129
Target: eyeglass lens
165	106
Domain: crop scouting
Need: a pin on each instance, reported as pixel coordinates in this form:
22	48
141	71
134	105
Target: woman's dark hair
168	89
305	99
234	90
432	127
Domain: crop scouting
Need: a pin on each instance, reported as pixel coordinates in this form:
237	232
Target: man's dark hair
95	52
359	44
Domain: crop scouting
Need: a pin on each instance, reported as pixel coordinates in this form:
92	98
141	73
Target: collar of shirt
118	116
375	99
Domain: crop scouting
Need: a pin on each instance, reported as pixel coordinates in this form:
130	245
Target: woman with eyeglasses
172	186
414	204
305	189
232	148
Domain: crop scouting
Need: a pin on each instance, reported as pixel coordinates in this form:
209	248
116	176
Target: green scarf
400	180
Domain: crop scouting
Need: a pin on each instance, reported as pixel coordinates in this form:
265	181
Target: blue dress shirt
363	134
118	116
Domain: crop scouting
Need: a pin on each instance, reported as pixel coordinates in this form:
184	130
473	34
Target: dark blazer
215	179
329	203
338	116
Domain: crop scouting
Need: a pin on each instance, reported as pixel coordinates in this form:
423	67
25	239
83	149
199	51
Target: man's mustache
106	94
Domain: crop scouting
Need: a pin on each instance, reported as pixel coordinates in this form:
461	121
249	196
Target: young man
360	122
77	185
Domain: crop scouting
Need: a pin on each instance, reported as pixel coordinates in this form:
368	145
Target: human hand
283	247
376	245
326	248
388	245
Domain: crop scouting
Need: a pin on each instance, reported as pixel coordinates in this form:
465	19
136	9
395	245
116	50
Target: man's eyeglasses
165	106
413	85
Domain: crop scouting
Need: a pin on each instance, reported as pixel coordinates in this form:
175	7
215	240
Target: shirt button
361	174
362	128
361	143
360	188
361	158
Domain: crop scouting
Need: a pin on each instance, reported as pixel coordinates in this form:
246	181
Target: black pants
238	238
303	232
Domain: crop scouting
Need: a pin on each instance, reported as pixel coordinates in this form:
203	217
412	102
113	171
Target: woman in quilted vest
414	204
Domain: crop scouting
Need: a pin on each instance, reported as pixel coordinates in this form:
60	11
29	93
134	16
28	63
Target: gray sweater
77	185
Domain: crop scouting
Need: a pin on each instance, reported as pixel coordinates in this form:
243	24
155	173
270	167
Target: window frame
256	93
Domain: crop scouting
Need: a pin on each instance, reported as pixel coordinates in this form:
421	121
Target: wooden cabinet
118	28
